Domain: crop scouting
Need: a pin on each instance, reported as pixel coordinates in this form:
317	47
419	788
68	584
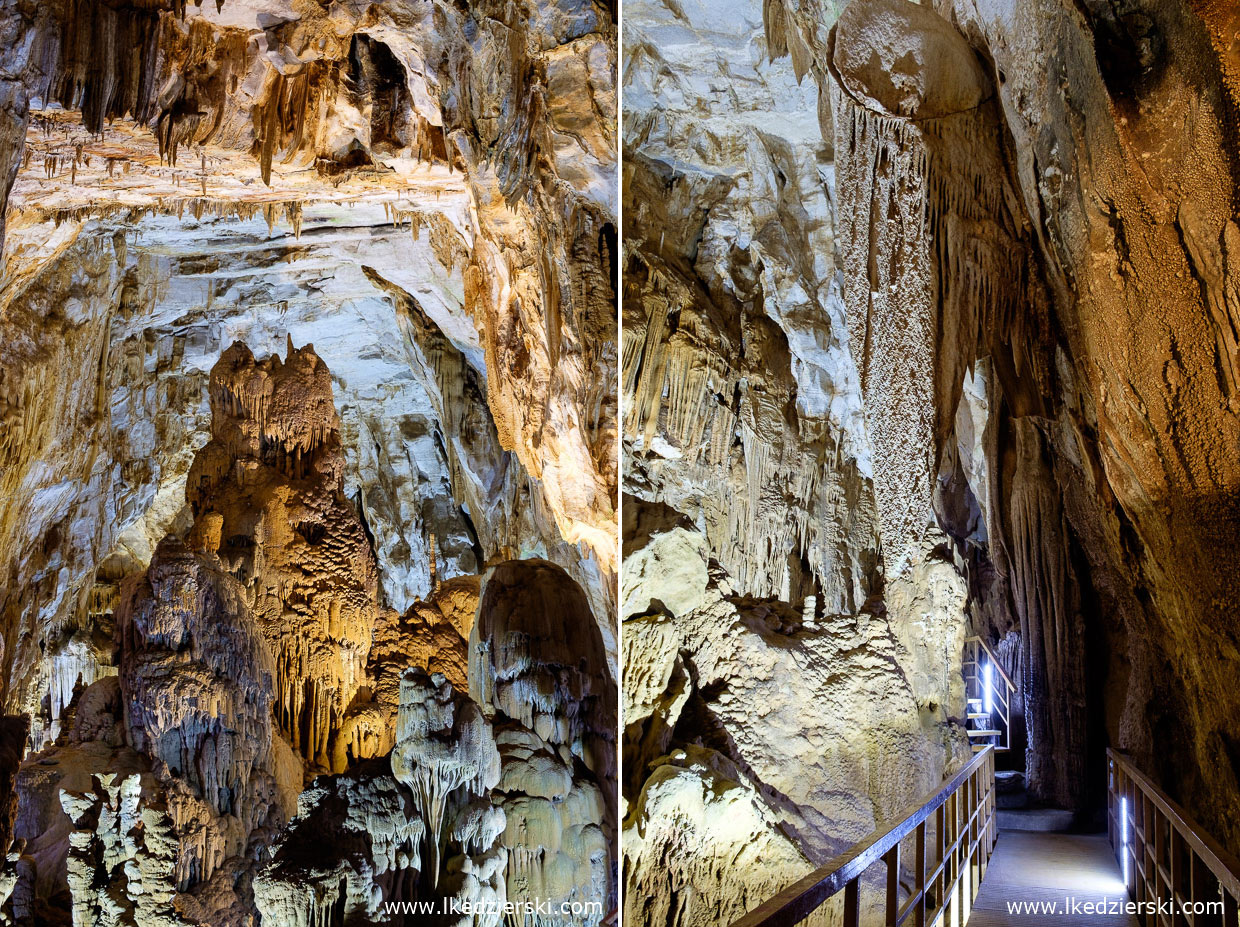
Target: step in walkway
1050	869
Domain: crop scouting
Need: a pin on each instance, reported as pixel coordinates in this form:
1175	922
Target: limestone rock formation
445	754
197	690
536	658
120	856
767	610
815	766
1105	469
354	843
705	824
539	672
1013	393
377	113
218	562
268	500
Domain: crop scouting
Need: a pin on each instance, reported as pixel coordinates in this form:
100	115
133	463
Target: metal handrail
964	838
1165	855
972	679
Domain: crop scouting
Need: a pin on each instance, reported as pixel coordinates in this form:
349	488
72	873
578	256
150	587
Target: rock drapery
221	555
1110	463
792	674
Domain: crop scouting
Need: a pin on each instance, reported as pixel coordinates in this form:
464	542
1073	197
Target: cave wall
961	265
765	612
1109	468
187	297
307	321
1134	211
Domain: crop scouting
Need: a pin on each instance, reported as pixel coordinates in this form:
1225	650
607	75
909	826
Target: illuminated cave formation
928	335
307	380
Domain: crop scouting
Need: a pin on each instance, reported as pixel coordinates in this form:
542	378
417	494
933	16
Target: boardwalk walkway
1052	869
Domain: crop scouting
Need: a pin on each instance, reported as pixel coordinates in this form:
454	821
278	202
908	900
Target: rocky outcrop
197	689
445	754
134	842
792	655
1099	410
735	368
256	651
354	843
705	824
247	555
372	135
807	770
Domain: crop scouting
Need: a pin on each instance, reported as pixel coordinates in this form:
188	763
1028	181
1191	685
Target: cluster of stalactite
280	119
937	275
268	500
982	225
451	87
469	804
711	379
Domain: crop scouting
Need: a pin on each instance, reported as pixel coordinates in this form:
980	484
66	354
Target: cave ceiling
307	327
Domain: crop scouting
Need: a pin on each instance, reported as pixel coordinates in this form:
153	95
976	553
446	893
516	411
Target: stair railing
1176	872
953	834
988	689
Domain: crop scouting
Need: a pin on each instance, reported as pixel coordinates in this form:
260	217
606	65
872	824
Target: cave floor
1052	877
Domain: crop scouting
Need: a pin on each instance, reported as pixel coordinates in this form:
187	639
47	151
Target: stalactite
684	387
1052	630
312	583
444	746
280	118
935	261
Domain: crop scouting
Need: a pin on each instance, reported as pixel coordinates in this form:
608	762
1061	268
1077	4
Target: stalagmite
129	842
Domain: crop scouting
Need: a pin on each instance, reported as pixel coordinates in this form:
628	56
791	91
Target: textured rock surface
705	824
256	652
218	563
964	414
1060	209
539	672
1013	196
267	497
735	365
792	667
374	836
230	280
197	688
810	768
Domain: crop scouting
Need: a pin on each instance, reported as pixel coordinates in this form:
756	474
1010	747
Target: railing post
892	859
945	882
1168	856
852	903
920	917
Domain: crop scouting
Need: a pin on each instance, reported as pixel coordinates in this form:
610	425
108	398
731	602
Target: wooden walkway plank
1052	869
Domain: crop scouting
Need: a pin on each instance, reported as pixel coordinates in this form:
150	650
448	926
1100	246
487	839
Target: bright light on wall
988	698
